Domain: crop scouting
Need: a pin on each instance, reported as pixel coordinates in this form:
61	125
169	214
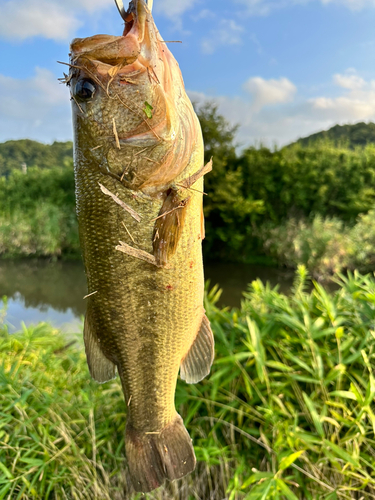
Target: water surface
53	291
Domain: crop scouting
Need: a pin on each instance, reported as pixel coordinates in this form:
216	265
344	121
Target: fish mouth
119	50
135	19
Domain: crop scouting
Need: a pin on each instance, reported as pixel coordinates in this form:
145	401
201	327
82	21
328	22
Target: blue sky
281	69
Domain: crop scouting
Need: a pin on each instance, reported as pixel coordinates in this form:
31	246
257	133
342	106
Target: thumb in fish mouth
121	8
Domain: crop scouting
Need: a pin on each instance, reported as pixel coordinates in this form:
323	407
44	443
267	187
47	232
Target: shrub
324	246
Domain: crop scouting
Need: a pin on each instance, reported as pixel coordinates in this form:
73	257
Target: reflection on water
43	291
53	291
234	279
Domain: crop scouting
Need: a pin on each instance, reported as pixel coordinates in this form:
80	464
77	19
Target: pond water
53	291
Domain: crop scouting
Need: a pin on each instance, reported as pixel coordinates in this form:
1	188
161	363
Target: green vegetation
359	134
324	245
305	203
37	214
286	413
23	154
259	189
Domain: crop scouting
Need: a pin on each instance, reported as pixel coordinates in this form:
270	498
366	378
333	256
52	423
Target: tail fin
154	457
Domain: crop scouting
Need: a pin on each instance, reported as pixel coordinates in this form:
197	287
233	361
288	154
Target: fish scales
139	185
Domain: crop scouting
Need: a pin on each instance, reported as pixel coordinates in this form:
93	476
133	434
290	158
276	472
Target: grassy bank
287	412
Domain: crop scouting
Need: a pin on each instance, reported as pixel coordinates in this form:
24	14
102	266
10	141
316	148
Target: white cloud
355	105
283	121
349	80
51	19
227	33
266	92
37	108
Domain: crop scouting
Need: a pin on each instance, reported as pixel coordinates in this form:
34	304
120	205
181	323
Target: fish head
132	117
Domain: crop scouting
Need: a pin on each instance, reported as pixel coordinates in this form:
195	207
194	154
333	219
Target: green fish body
139	181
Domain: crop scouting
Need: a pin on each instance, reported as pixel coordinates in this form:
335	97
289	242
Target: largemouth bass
139	179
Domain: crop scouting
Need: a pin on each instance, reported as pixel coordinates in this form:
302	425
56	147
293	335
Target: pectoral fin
168	227
197	363
101	368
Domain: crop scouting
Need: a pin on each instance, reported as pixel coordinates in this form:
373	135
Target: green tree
228	209
18	155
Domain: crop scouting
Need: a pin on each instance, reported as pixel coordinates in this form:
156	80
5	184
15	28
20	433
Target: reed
287	412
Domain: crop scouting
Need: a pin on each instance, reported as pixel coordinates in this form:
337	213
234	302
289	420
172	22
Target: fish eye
84	89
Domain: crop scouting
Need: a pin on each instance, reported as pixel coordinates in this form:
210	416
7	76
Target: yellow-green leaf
290	459
342	453
148	110
314	414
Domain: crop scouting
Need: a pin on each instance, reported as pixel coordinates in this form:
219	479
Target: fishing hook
121	8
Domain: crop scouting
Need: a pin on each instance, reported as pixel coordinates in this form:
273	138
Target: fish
139	168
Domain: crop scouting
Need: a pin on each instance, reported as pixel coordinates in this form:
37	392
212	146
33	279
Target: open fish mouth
119	50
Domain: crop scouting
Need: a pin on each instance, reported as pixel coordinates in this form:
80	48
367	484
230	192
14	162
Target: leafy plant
286	413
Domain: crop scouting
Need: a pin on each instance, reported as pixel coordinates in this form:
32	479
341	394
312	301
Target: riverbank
286	412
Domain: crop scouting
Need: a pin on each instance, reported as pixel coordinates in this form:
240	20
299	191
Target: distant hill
22	154
359	134
25	153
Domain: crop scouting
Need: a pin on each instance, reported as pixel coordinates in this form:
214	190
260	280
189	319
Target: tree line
247	190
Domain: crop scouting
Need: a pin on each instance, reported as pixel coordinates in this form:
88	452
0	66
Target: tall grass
287	412
46	231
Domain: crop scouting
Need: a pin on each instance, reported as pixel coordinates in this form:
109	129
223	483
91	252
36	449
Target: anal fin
197	363
101	368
